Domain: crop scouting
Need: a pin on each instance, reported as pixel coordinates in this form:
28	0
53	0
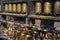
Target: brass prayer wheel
24	7
19	8
38	7
6	7
47	7
10	7
57	7
14	7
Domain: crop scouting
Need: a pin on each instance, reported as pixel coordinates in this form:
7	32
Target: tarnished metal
47	7
24	7
12	32
57	8
38	7
23	32
14	7
19	8
6	7
10	7
5	32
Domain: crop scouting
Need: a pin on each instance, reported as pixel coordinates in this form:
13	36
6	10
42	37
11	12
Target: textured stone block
12	18
7	17
37	22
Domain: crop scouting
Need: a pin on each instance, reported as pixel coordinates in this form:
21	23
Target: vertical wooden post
26	21
55	24
0	7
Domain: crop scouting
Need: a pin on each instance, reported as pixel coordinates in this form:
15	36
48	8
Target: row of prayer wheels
47	7
16	7
38	7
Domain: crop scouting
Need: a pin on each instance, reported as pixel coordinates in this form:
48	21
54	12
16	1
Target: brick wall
57	25
38	22
12	18
7	17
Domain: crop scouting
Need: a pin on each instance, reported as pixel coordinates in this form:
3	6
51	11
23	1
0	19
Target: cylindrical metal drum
38	7
10	8
14	7
19	8
6	7
24	8
47	7
57	8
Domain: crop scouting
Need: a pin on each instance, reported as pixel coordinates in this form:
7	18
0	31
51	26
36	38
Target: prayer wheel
14	7
57	8
6	7
24	8
19	8
47	8
10	8
38	7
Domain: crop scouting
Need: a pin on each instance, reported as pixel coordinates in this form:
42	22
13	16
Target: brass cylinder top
38	7
24	7
57	7
10	7
6	7
47	7
19	7
14	7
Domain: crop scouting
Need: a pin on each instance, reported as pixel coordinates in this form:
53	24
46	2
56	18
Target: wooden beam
14	14
44	17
